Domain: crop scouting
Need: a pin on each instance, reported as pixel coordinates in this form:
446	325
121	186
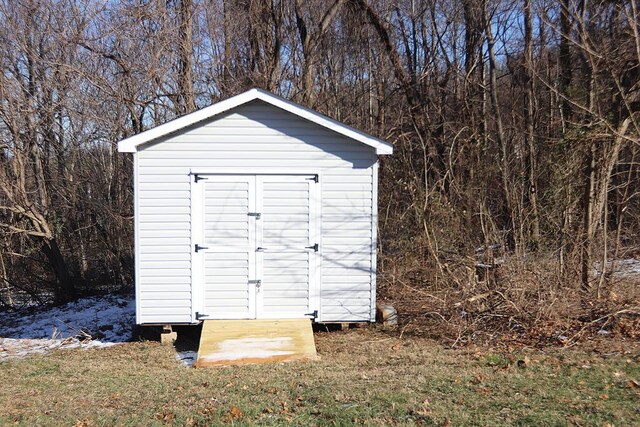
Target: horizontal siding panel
247	154
352	273
165	318
165	292
346	302
343	216
164	202
347	265
336	314
162	249
148	302
275	120
163	264
172	242
346	225
299	133
283	284
242	286
167	271
353	210
273	143
167	219
168	312
354	243
168	184
164	210
284	304
176	225
150	279
162	179
346	252
329	233
180	165
228	304
285	293
347	185
336	282
165	257
227	294
330	196
165	194
226	280
347	293
163	233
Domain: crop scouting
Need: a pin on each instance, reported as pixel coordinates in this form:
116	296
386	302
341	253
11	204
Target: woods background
513	189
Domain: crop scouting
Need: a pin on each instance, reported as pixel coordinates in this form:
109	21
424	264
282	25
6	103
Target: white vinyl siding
255	135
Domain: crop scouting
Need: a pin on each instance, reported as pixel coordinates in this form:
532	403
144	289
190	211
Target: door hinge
313	314
199	248
314	247
315	178
201	316
197	178
256	214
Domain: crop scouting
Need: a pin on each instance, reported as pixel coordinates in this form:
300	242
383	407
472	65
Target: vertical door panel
229	239
285	235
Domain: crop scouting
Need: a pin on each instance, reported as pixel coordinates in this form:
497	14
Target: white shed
255	207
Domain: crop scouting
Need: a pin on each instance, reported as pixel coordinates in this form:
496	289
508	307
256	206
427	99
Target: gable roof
131	144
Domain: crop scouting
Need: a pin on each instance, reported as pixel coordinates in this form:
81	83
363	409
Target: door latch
258	283
260	249
199	248
256	214
314	247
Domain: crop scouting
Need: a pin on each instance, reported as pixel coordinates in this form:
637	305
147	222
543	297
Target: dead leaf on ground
234	413
633	384
165	416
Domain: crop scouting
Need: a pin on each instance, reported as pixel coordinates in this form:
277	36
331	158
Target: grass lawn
364	377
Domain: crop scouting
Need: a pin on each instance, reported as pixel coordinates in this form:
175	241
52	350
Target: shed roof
131	144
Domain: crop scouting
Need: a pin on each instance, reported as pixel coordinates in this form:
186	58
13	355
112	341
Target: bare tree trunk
565	60
529	125
500	135
186	96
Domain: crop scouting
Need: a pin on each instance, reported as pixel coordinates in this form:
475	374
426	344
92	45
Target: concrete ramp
232	342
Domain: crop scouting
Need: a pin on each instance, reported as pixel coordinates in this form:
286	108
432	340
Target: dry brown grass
365	376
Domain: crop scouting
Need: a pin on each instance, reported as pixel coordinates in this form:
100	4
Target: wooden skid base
233	342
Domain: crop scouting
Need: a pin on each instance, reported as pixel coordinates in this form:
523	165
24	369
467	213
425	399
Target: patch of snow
85	323
625	268
187	357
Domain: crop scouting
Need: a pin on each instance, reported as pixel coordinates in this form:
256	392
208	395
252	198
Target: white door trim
197	236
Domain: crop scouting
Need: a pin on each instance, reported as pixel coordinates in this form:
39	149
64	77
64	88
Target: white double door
256	246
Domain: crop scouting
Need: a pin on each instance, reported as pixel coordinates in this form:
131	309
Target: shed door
228	246
257	246
287	235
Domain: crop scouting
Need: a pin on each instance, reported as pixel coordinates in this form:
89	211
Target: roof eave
131	144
